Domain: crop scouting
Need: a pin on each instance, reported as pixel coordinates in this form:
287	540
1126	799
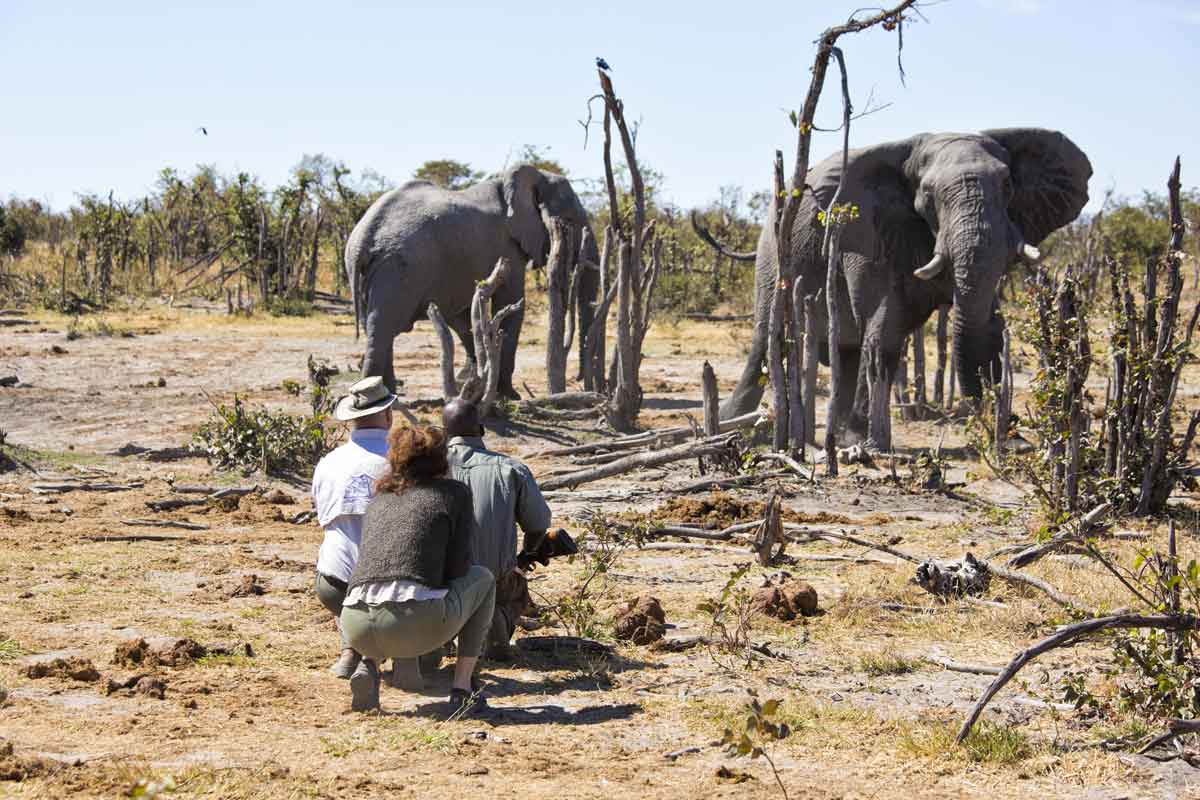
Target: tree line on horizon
206	232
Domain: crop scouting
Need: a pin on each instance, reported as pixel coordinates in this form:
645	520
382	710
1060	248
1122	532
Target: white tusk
1029	253
933	268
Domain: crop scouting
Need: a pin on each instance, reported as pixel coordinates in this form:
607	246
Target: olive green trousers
411	629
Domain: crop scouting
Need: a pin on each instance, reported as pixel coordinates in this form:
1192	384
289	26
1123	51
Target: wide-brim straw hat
368	396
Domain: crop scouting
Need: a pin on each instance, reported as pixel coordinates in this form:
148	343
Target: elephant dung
786	600
641	621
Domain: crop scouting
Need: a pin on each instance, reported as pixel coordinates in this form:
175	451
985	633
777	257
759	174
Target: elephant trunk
981	248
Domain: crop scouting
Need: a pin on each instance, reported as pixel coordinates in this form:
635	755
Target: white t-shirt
343	485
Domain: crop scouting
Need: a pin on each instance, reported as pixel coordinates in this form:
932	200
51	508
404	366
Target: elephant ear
1050	176
877	181
524	219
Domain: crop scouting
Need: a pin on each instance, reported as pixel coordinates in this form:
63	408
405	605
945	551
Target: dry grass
869	714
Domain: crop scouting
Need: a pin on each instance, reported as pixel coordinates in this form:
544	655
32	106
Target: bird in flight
203	130
602	64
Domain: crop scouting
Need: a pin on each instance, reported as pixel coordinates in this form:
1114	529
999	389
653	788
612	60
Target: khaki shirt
505	495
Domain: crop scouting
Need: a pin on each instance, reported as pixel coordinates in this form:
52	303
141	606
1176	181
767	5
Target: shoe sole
364	693
345	673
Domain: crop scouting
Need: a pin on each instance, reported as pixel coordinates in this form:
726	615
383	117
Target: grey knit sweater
422	534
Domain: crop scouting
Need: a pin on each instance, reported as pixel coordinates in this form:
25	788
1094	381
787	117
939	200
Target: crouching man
343	484
505	496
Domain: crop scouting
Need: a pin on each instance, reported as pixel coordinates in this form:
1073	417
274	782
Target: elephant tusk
1029	253
933	268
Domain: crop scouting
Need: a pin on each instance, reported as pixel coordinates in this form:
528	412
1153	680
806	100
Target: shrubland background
203	233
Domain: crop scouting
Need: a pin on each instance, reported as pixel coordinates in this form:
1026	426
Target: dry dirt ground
870	716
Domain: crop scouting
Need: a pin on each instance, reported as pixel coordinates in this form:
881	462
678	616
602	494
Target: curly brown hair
416	455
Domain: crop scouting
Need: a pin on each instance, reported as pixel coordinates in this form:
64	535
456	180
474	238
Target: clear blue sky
99	96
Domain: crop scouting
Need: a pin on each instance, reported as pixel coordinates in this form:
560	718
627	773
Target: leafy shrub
289	306
275	442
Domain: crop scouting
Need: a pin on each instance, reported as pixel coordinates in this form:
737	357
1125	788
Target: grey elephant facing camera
421	243
941	219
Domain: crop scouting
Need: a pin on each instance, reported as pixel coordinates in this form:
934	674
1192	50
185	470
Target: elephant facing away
422	243
941	219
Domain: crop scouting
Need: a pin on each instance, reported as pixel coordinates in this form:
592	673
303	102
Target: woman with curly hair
414	587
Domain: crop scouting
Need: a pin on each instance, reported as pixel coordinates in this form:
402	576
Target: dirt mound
75	668
279	498
641	621
16	768
139	653
14	516
146	685
721	510
180	653
248	587
786	600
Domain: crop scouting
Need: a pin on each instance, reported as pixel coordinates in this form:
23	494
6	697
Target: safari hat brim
345	410
368	396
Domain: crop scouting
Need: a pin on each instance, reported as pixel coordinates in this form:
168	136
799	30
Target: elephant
422	243
941	217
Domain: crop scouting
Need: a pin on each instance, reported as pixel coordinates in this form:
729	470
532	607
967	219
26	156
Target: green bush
289	306
275	442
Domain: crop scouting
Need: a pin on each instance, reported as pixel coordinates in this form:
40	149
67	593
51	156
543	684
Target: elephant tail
354	276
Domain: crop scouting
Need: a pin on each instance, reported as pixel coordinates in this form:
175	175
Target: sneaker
346	664
405	674
467	704
364	686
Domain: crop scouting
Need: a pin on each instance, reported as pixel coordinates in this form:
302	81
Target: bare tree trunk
900	380
919	397
1004	402
811	360
487	334
593	377
712	421
939	376
558	275
635	286
835	356
776	341
449	383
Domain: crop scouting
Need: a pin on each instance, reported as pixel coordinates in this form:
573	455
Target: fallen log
787	461
717	317
215	491
133	537
1086	524
1175	727
651	437
1068	635
690	533
704	447
62	488
564	400
173	504
165	523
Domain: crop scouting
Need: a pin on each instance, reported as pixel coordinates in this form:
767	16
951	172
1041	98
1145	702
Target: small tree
448	173
635	279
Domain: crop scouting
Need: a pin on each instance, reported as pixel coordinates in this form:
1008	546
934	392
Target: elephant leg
512	291
849	414
388	312
880	361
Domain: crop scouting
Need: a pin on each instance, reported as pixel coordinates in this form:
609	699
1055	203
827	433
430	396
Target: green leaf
770	707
